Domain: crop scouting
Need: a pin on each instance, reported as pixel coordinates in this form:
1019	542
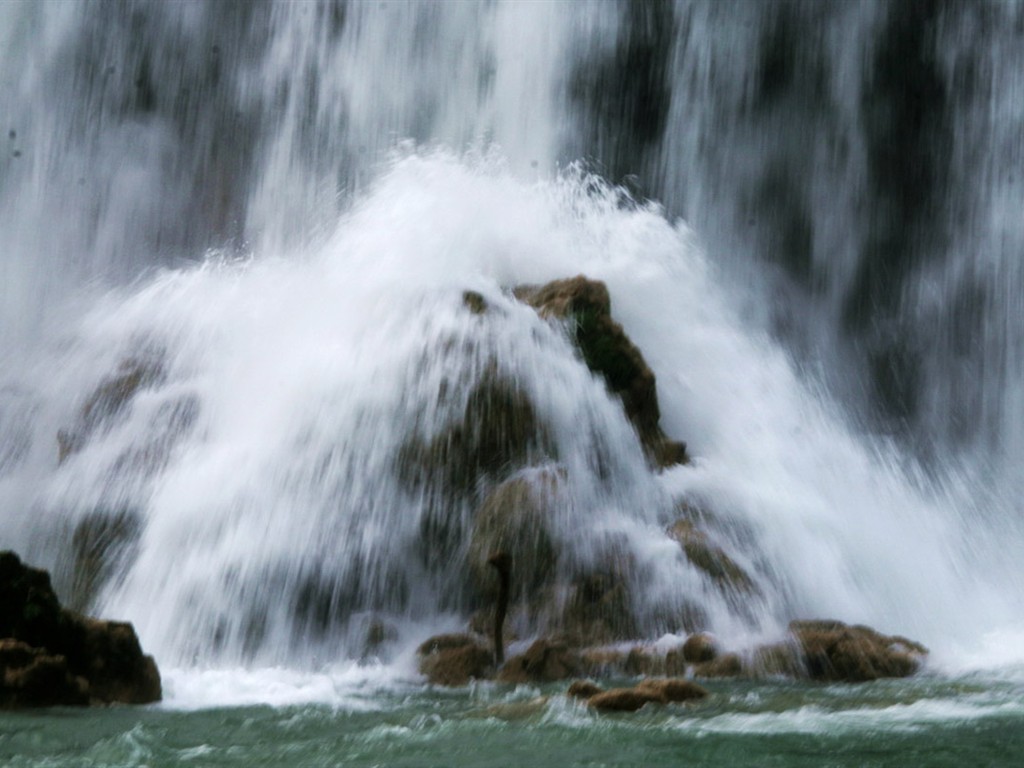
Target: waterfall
235	240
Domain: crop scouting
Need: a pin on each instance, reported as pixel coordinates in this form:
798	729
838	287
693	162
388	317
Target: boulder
608	352
85	660
454	660
543	662
700	647
833	651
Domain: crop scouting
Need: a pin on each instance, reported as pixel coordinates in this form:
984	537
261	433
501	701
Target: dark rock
104	655
609	353
474	302
30	677
583	689
454	660
543	662
833	651
700	647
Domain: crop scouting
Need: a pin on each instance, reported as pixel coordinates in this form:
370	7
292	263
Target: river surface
927	721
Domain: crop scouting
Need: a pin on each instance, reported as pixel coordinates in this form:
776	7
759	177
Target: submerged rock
80	660
649	691
608	352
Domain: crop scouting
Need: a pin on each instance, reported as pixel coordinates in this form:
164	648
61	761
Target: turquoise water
924	722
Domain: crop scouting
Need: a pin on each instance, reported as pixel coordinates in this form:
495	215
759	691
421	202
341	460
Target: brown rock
543	662
623	699
699	648
673	689
609	353
583	689
727	665
30	677
657	691
783	659
474	302
454	660
644	661
833	651
711	559
516	518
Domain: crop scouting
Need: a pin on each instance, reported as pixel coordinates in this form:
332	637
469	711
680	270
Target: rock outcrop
609	353
454	660
543	662
834	651
51	656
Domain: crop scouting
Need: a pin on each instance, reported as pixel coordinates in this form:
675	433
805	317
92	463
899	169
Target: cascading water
234	240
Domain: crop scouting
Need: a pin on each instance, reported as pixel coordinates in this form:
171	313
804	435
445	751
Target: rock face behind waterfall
50	656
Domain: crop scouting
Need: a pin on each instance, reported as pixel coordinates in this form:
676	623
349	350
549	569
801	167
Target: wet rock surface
609	353
52	656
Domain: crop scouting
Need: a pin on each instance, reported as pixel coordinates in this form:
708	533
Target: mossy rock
609	353
833	651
